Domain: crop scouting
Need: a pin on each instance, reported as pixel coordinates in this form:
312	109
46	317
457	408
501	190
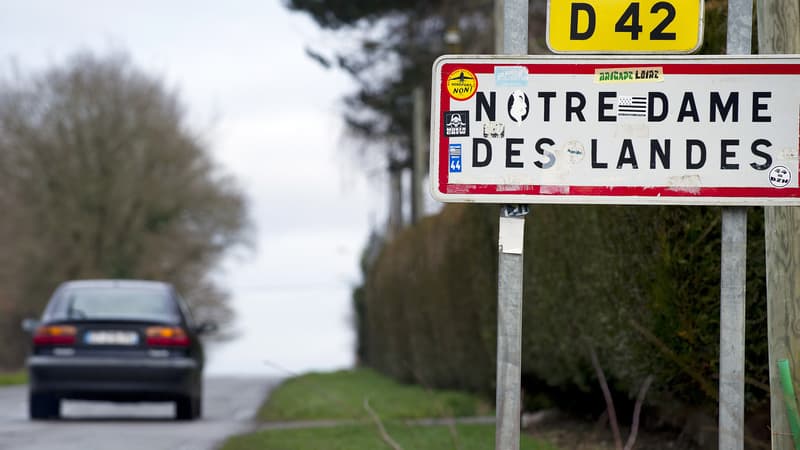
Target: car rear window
129	303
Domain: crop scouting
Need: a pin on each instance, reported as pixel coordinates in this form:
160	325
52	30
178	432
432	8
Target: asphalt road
228	408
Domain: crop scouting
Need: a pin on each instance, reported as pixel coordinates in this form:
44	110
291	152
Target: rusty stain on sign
551	189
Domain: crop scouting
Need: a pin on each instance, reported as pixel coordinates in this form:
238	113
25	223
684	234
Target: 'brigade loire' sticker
462	84
629	75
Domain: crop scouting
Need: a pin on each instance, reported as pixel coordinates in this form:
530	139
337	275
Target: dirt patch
568	433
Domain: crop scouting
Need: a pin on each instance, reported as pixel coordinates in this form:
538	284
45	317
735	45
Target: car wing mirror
30	325
206	328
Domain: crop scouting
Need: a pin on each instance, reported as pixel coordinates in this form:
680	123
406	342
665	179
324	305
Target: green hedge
428	302
639	285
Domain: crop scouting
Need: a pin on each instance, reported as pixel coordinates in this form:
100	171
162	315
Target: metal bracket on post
515	210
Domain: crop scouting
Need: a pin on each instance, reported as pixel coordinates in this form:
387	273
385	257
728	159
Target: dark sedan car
116	340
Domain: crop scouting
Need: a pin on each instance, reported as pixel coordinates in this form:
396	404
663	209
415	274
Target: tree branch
637	410
384	435
612	413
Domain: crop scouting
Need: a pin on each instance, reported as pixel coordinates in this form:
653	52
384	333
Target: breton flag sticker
631	106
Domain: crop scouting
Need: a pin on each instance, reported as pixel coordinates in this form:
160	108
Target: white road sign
635	130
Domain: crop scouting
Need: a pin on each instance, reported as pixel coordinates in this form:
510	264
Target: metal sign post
509	275
731	329
733	274
509	327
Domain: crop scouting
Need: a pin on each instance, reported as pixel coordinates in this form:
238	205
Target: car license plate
111	338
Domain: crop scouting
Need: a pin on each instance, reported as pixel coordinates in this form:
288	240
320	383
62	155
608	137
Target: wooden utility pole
419	165
779	32
395	197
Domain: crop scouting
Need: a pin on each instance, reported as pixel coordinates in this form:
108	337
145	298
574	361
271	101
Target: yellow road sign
624	26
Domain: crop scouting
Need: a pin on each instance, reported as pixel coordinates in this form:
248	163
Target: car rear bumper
115	379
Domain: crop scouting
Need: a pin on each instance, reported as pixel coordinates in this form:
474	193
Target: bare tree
101	176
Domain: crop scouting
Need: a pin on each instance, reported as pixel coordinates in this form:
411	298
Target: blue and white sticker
511	76
455	158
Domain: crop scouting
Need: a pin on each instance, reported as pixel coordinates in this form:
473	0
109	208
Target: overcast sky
271	117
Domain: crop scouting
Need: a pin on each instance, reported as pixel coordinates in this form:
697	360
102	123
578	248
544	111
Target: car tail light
167	337
55	335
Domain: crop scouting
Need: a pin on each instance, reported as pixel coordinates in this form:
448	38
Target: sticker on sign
710	130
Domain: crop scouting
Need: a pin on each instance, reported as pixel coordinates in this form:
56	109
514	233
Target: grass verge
13	378
365	437
340	396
